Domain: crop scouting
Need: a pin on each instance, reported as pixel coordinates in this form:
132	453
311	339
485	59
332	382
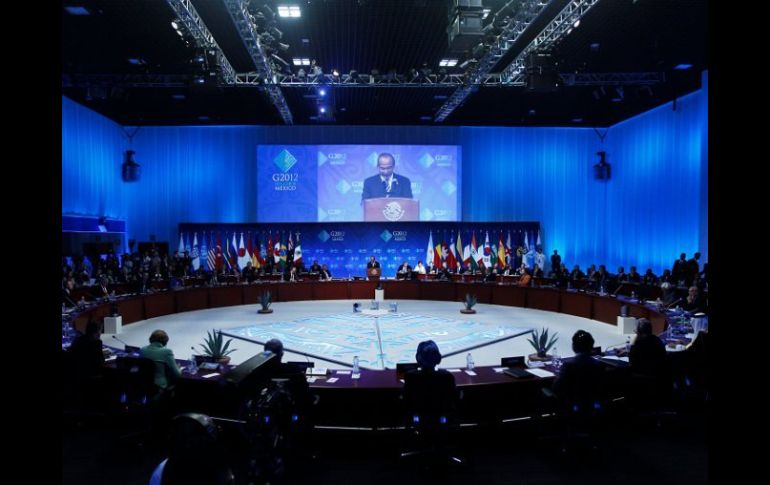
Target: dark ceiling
629	36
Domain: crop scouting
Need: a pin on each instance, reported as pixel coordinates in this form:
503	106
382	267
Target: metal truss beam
253	80
528	11
193	22
549	37
250	37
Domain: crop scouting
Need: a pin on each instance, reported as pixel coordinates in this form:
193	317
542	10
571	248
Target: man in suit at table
373	263
325	274
386	183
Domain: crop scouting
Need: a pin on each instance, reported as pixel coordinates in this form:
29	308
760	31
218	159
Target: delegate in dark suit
375	187
386	183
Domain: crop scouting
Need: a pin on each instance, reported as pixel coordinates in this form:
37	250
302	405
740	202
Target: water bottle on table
192	367
469	361
356	369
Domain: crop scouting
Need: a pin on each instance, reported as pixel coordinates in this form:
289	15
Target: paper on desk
332	380
499	370
311	379
356	376
113	357
454	370
343	372
470	373
541	372
211	375
624	359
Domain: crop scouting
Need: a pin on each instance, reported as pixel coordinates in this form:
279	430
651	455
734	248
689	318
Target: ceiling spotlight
175	24
576	24
322	109
290	11
322	92
336	73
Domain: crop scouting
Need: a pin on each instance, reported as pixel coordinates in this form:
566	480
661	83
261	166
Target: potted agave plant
470	301
265	299
215	348
542	344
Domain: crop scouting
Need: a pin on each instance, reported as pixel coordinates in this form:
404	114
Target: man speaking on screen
386	183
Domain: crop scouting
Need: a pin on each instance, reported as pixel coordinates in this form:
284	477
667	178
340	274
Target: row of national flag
490	255
261	250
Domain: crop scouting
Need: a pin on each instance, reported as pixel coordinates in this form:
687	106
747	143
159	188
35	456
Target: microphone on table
129	349
116	338
678	300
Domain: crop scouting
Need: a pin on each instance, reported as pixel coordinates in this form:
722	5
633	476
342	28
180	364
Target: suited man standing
386	183
373	263
555	261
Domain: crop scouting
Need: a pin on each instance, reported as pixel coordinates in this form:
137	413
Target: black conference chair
136	395
581	412
430	403
195	454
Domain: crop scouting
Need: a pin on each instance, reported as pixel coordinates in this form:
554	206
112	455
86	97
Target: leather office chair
195	455
430	402
136	395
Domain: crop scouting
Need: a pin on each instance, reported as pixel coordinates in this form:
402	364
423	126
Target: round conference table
374	399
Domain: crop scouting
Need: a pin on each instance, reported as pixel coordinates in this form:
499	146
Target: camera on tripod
275	407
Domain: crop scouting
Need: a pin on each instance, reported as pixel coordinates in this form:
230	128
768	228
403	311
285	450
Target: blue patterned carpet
340	337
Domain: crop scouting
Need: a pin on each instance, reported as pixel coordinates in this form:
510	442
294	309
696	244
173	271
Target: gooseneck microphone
116	338
678	300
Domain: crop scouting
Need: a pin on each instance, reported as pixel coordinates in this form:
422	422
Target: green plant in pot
265	299
541	342
215	348
470	302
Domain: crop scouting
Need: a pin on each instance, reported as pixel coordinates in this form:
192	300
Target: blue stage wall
651	210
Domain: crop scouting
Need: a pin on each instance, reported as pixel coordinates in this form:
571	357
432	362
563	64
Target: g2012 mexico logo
393	211
285	180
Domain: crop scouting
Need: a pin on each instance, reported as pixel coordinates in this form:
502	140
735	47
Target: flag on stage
460	255
438	255
204	253
251	248
196	260
228	257
429	255
508	250
474	253
181	243
277	250
234	252
297	253
262	251
451	259
283	254
524	250
501	252
290	251
187	246
486	257
211	254
219	258
243	257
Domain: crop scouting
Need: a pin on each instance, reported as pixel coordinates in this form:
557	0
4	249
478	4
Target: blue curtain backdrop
651	209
